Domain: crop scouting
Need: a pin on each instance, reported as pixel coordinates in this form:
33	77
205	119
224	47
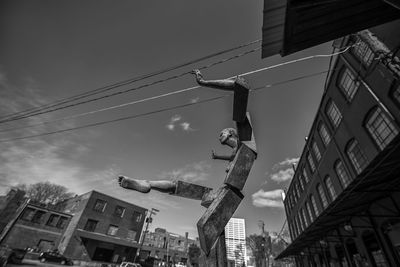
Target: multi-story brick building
343	204
102	228
35	227
161	244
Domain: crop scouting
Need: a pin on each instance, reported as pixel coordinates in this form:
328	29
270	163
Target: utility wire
182	74
121	83
145	100
127	90
151	112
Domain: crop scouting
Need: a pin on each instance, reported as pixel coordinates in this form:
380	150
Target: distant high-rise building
235	237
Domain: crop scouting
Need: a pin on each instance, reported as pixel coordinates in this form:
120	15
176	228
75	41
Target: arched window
309	211
305	175
317	153
343	175
331	189
322	196
311	162
334	114
301	182
324	134
349	84
380	127
363	52
303	213
356	156
396	94
314	204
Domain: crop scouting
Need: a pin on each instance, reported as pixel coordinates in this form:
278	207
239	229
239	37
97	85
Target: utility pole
148	221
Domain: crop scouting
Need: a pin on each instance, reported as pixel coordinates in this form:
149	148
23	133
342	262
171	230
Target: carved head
228	136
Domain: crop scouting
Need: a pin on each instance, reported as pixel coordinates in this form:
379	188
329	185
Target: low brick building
35	227
102	228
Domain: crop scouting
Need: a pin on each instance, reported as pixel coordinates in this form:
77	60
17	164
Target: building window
62	222
334	114
311	162
381	128
297	190
28	214
356	156
90	225
37	218
303	213
396	94
52	221
348	84
317	153
305	175
322	196
309	211
112	230
137	216
363	52
100	205
301	183
119	211
341	172
301	222
324	134
314	204
331	189
131	235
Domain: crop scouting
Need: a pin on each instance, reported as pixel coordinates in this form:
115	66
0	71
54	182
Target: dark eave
293	25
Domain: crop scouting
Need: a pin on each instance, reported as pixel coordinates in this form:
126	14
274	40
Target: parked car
54	256
11	255
129	264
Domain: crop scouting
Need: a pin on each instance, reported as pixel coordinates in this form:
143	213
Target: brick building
343	204
35	227
160	244
102	228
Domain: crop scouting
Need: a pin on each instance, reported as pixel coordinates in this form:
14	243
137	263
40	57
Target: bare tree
46	193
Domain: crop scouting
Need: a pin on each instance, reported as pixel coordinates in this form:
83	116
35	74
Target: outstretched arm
222	157
144	186
225	84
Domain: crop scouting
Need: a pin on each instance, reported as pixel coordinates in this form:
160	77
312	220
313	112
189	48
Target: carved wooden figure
222	203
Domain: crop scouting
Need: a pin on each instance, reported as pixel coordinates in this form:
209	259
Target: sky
50	50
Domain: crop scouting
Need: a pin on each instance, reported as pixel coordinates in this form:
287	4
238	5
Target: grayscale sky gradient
54	49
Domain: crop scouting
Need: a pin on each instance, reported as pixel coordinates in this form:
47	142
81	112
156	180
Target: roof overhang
293	25
376	181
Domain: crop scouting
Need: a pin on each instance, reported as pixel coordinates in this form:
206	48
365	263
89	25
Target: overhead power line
182	74
151	112
121	83
28	115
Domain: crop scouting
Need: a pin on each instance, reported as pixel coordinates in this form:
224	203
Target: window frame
343	181
326	138
316	151
333	113
87	228
363	52
357	166
322	196
349	91
375	114
331	188
98	201
112	230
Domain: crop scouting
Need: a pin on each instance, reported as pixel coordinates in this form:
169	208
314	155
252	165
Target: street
33	263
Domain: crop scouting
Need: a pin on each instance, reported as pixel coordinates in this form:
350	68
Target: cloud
282	175
286	162
185	126
283	171
271	199
195	100
194	172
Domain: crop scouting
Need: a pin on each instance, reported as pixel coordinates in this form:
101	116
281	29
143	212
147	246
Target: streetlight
148	221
